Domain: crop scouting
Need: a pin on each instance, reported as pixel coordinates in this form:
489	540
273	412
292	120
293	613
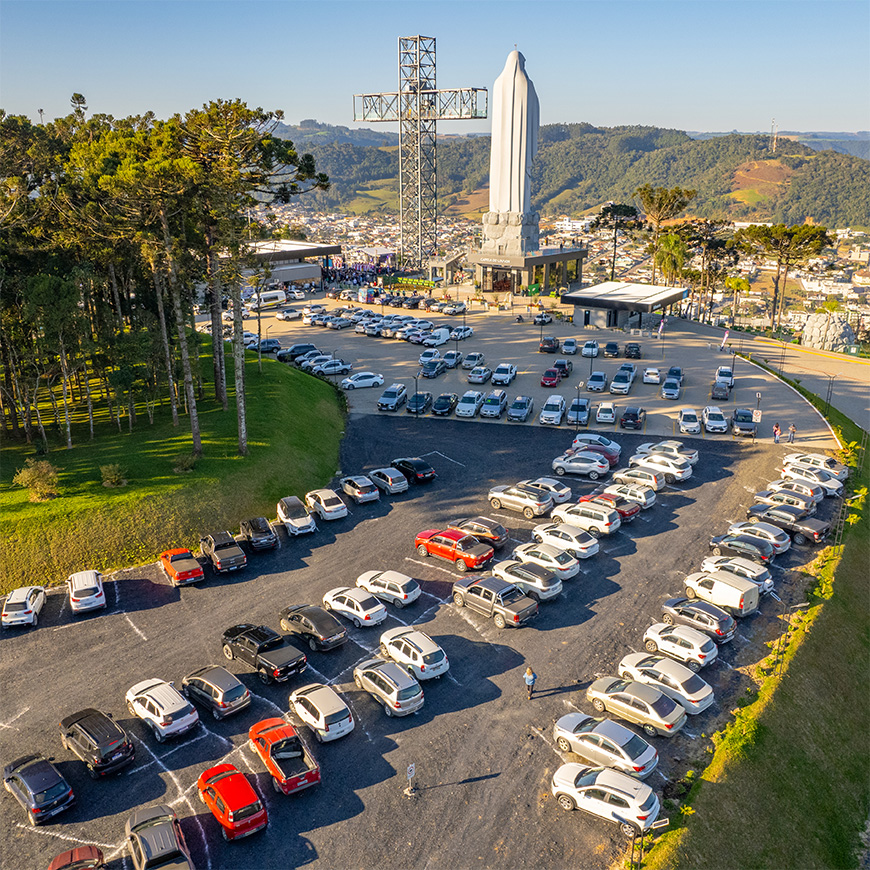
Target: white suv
415	651
680	642
295	516
714	420
162	708
594	518
553	411
86	591
469	404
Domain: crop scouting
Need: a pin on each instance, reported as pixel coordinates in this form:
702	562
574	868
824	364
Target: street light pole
831	379
416	390
577	410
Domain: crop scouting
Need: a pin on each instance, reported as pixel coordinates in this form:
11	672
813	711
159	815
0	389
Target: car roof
610	778
233	786
97	725
223	538
325	698
84	578
392	671
36	772
218	676
612	730
496	584
16	596
414	636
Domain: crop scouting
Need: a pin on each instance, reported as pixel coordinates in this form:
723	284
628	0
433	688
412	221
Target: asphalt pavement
484	755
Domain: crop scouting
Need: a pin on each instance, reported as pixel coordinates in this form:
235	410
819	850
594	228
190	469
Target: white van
437	338
268	299
736	595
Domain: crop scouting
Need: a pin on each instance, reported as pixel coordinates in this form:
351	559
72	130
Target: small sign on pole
756	416
410	791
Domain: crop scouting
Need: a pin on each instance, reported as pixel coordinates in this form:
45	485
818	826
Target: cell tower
774	133
417	106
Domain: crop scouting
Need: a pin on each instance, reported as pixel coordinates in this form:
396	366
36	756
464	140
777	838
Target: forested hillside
580	166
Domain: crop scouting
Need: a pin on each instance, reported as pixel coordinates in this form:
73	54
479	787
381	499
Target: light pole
785	626
830	392
577	410
416	390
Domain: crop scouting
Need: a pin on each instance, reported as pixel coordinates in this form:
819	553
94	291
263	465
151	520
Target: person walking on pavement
530	678
776	433
791	433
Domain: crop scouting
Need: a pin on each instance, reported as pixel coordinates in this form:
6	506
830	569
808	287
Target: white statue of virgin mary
515	120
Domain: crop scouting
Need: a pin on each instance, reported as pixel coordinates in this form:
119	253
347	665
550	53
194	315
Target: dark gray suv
155	839
217	689
741	423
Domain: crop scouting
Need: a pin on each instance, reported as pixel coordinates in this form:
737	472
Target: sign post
410	791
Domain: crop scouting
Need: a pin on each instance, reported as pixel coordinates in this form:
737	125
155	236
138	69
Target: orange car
181	567
284	755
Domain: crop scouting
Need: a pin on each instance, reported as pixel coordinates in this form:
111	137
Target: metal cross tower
417	105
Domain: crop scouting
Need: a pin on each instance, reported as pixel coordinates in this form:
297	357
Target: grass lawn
788	784
294	429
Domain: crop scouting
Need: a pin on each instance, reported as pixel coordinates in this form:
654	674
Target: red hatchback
626	509
465	551
551	378
227	793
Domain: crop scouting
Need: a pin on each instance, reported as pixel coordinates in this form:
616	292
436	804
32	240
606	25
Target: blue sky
702	65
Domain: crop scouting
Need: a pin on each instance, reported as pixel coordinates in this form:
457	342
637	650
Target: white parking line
452	678
269	703
690	735
443	456
514	518
435	606
722	661
461	612
428	565
547	741
8	723
76	840
137	630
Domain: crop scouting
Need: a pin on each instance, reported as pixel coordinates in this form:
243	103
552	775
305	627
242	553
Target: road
484	754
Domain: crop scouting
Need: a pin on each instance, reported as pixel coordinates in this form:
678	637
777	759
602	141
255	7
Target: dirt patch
756	172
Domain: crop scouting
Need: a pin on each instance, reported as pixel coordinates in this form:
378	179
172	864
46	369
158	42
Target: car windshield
235	693
635	747
649	803
57	790
226	545
563	558
467	543
743	416
15	607
468	400
87	591
247	812
366	487
295	510
180	557
337	716
662	705
492	400
551	406
671	385
587	776
690	418
433	658
518	406
693	684
716	417
408	693
390	394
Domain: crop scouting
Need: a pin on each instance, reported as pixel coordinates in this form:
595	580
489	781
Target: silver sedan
606	743
635	702
776	537
671	678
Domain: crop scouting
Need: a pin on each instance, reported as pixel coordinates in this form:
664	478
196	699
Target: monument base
510	233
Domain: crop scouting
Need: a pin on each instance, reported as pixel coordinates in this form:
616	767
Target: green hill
580	166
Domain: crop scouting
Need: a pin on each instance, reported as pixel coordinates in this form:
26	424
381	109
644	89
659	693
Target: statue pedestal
510	233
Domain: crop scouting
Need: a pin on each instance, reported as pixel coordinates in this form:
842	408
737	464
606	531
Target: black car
316	626
521	409
486	531
632	418
444	405
611	349
291	353
433	367
803	528
565	366
216	688
419	403
704	617
414	468
675	373
632	351
259	533
270	654
95	739
747	546
38	786
549	344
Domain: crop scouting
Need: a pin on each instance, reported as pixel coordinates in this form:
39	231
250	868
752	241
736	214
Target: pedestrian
791	433
776	433
530	678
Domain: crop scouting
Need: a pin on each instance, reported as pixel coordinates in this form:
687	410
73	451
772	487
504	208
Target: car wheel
276	785
651	646
596	533
598	704
422	551
498	619
357	680
628	830
229	655
560	471
461	565
92	772
32	819
215	715
528	513
669	478
318	736
458	600
224	833
63	742
650	730
563	744
388	710
158	735
264	677
534	596
693	666
132	709
495	503
799	539
356	622
593	475
312	644
717	551
285	626
399	603
690	593
754	520
349	387
566	802
35	621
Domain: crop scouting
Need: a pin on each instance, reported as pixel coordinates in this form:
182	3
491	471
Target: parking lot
484	755
501	339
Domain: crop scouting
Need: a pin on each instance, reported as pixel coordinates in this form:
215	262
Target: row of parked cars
659	688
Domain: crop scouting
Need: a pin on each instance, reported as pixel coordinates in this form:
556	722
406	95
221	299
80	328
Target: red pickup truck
284	755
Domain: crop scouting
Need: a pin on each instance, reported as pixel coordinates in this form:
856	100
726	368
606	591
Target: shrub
40	477
184	463
112	475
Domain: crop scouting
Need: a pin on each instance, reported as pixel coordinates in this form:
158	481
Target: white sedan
606	413
579	543
461	332
288	314
593	465
673	469
824	479
357	605
776	537
554	488
560	562
323	711
818	460
652	376
362	379
326	504
671	678
674	449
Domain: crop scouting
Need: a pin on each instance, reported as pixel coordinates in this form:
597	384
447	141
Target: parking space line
435	606
690	735
433	567
444	456
546	740
267	702
520	519
8	723
461	612
133	626
726	664
76	840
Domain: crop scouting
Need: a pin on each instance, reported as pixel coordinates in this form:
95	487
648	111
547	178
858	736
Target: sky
704	65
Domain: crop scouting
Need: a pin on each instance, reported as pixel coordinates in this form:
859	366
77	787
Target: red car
81	858
611	457
284	755
465	551
232	801
551	378
626	509
181	567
